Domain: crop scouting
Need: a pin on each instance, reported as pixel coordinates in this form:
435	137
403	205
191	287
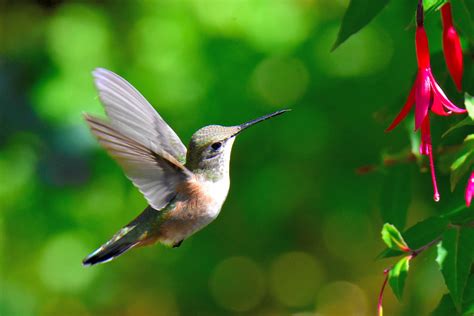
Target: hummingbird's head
210	147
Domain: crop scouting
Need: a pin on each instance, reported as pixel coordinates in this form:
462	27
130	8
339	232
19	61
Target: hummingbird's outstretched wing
153	171
132	115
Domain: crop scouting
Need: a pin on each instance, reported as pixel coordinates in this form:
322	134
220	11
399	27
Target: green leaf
425	231
398	275
462	15
468	302
469	120
420	234
469	311
393	239
460	167
432	5
469	104
395	196
457	252
358	14
441	254
460	215
465	158
445	307
465	122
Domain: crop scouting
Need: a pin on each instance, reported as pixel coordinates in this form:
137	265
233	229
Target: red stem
380	304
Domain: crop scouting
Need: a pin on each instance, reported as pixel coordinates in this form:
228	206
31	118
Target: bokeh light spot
71	306
62	99
237	284
274	25
280	81
219	17
162	303
17	167
60	265
346	235
365	53
16	299
78	37
168	50
342	298
295	278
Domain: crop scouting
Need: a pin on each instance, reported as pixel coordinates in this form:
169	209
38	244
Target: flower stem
419	13
436	195
380	303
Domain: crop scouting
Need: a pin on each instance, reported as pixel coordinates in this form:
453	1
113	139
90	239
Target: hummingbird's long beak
260	119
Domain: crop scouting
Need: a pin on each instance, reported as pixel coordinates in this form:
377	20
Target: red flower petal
422	97
439	93
469	190
437	107
406	108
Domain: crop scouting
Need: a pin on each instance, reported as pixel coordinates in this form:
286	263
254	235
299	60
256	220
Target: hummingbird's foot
176	245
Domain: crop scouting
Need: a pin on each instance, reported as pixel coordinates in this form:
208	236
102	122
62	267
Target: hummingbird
185	188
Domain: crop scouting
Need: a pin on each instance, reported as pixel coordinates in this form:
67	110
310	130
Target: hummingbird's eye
216	146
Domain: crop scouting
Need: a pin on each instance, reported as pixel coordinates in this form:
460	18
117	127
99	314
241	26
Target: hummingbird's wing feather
132	115
154	172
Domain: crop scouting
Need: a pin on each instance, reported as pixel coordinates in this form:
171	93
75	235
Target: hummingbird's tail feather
119	244
139	232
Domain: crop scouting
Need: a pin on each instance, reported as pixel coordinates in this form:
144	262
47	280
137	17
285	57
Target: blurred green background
299	231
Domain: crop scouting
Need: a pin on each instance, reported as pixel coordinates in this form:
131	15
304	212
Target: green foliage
455	257
432	5
396	195
445	307
464	157
362	12
420	234
469	120
393	239
398	275
463	162
463	13
469	103
468	299
462	215
358	14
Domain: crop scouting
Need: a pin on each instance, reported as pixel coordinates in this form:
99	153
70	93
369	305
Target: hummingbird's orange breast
195	207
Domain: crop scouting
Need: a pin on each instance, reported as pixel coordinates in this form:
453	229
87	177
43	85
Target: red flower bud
452	46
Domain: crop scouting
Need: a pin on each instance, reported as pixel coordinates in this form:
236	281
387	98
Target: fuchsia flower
469	190
452	46
426	95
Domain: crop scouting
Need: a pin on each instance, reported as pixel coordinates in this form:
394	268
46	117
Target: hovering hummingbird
185	190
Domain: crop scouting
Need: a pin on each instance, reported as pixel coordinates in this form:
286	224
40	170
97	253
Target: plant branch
411	254
380	305
416	252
